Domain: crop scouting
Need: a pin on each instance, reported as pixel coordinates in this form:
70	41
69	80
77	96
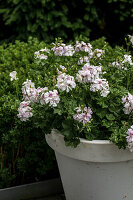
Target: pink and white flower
41	54
28	89
24	111
130	138
82	46
98	52
65	82
85	59
88	73
83	115
52	98
30	93
100	85
128	103
63	49
127	59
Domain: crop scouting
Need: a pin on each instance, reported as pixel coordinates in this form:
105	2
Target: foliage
24	155
47	19
87	94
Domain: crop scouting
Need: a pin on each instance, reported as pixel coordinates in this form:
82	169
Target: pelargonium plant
87	92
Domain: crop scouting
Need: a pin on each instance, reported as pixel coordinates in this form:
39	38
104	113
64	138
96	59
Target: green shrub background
47	19
24	155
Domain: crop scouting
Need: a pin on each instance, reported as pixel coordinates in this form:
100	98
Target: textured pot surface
95	170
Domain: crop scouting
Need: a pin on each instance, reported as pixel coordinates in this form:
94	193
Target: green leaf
110	117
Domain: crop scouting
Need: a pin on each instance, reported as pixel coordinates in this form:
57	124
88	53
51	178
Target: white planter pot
95	170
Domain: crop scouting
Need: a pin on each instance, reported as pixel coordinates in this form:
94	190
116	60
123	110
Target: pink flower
63	49
88	73
130	138
65	82
83	47
100	85
40	54
98	52
83	115
24	111
52	98
128	106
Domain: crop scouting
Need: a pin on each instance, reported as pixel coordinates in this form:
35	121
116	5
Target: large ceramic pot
94	170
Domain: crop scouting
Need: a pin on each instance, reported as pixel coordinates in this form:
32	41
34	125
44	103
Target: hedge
47	19
24	155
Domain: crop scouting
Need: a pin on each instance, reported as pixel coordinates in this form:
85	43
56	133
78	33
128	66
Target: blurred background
47	19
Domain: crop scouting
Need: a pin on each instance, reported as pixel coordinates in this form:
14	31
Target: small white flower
63	68
43	57
13	75
127	59
85	59
117	65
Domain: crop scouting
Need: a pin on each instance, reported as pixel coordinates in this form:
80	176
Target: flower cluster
41	54
35	95
121	64
118	65
100	85
91	74
130	138
83	115
98	52
24	111
128	101
63	49
30	93
28	90
65	82
84	59
52	98
83	47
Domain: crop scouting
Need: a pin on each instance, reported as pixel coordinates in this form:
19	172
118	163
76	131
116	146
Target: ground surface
56	197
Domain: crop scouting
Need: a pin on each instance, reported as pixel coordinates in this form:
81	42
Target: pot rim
83	140
89	151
